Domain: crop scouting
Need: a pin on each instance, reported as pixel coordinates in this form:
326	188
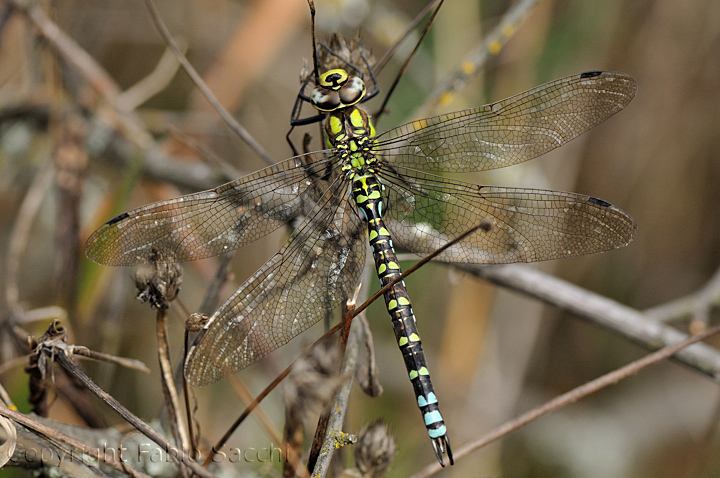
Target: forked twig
380	64
404	66
75	371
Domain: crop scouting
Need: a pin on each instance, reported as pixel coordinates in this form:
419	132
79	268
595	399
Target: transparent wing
316	269
211	222
510	131
519	225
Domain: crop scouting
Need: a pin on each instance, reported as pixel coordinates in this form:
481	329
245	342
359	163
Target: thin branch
168	383
131	364
152	84
334	436
380	64
197	79
96	76
697	304
415	267
600	310
573	396
5	399
21	231
404	66
473	63
133	139
212	296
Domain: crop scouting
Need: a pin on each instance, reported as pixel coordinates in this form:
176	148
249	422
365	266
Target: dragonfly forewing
212	222
509	131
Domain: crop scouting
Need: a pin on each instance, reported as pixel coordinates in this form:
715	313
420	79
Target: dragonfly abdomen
367	192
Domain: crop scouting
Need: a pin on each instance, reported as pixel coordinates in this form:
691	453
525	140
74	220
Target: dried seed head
375	449
158	283
314	379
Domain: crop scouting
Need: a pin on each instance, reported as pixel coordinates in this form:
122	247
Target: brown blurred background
493	354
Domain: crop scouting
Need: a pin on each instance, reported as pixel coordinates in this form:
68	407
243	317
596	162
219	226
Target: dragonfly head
337	90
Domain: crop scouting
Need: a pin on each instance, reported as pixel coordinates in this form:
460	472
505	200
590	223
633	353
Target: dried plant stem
21	231
58	437
396	80
334	421
141	426
172	403
626	321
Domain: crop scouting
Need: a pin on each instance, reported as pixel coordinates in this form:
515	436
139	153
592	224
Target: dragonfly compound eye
334	79
352	91
324	99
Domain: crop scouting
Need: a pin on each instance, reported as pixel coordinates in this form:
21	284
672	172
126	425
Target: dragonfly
382	190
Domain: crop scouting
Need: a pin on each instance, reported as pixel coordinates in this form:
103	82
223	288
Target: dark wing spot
486	224
599	202
591	74
117	219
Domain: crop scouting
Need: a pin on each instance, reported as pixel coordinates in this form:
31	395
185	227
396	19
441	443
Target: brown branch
170	394
334	436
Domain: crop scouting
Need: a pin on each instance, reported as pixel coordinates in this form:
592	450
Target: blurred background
493	353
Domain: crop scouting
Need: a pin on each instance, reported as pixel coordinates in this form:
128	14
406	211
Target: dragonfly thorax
350	132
